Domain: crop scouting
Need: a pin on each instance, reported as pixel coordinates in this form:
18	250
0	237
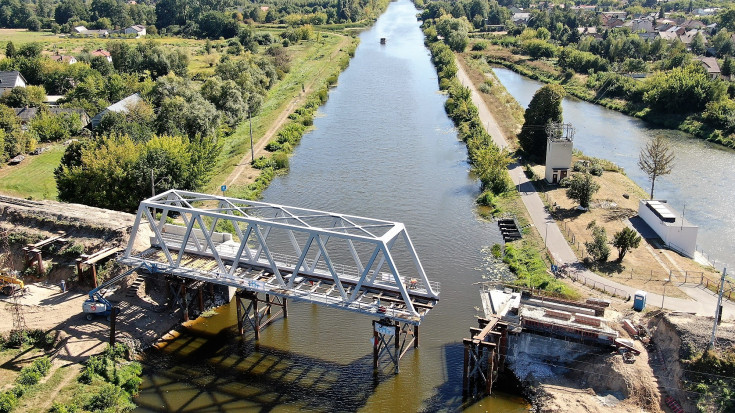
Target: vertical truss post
255	317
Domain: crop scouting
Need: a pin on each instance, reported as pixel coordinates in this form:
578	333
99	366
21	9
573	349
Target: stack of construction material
587	320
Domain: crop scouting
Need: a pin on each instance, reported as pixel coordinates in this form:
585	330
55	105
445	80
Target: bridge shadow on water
222	372
448	396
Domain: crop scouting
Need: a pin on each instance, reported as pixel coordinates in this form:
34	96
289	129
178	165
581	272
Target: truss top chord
287	216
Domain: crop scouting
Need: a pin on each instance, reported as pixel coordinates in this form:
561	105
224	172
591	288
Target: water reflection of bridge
353	263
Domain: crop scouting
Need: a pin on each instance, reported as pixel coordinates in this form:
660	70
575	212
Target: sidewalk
702	302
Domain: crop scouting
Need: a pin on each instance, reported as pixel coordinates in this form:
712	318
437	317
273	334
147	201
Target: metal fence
597	285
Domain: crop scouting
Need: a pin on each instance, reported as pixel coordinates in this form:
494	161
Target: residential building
70	60
104	53
119	107
521	18
10	80
138	30
710	63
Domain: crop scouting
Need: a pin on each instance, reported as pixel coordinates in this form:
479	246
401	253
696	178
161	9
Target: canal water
384	148
700	183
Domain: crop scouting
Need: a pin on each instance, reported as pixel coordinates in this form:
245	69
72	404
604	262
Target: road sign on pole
223	188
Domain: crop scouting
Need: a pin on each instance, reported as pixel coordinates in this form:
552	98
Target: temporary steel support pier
484	356
359	264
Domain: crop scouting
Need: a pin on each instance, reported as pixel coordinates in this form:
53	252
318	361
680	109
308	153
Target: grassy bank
645	267
34	177
499	196
311	67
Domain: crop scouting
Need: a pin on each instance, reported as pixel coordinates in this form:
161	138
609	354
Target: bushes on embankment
489	164
108	383
289	136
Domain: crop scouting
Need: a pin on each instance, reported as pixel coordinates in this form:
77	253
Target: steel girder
297	264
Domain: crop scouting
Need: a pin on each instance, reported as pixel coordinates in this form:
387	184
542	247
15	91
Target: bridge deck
314	288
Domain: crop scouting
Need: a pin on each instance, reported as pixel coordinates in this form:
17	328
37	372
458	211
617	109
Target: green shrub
109	397
18	390
28	377
273	146
128	377
332	80
7	402
39	338
280	160
72	251
16	339
64	408
42	365
497	250
596	169
486	199
479	46
262	163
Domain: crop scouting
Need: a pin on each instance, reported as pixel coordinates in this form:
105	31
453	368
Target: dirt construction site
77	232
664	377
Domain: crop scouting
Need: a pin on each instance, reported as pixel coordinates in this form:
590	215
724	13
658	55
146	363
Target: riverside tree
581	189
545	108
656	159
597	248
624	240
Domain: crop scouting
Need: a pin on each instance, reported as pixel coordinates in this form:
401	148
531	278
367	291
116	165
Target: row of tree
206	18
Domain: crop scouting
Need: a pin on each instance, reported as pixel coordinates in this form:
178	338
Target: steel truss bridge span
354	263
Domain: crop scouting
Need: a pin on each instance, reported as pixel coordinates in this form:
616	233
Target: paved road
701	302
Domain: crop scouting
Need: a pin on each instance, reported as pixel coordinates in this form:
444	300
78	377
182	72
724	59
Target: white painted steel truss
286	251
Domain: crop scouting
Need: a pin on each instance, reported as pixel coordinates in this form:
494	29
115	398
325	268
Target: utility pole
717	310
252	154
153	185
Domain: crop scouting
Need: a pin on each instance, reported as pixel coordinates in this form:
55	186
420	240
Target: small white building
676	232
138	30
559	154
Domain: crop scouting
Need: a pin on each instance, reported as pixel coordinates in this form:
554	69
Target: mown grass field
34	177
